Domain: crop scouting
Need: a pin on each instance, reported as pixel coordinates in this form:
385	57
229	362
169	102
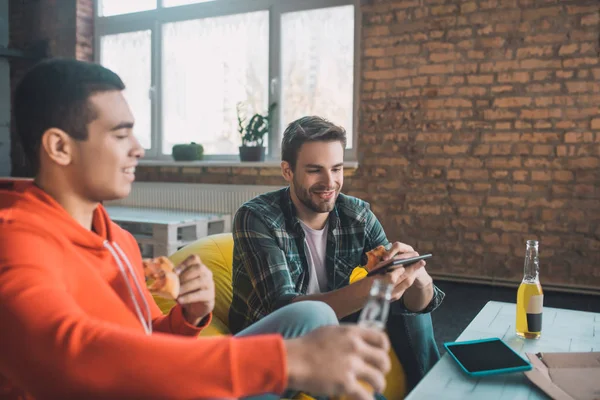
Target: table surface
157	216
562	331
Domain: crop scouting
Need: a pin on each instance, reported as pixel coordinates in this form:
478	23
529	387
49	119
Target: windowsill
224	164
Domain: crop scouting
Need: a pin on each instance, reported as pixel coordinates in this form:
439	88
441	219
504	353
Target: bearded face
318	176
319	197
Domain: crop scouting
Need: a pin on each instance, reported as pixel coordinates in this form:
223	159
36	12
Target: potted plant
188	152
253	133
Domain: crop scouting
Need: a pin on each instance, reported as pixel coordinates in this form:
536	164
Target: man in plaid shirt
303	242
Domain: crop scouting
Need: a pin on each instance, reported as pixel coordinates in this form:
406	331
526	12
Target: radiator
209	198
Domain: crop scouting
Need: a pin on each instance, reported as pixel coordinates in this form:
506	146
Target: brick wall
35	23
493	111
479	129
84	43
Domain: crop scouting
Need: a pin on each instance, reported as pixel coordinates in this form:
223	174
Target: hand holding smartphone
395	263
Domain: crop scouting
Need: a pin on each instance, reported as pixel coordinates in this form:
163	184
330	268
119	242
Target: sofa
216	252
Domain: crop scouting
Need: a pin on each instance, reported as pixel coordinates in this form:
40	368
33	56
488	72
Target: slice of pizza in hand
164	280
374	257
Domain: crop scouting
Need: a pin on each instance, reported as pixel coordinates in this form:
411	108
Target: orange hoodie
69	327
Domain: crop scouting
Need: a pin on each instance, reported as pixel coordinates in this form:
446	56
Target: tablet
486	357
396	263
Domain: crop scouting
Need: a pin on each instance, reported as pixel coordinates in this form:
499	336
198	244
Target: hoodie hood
21	201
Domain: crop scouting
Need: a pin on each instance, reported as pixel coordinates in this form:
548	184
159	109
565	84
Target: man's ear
286	171
58	146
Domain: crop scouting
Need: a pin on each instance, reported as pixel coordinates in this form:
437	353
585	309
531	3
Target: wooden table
562	330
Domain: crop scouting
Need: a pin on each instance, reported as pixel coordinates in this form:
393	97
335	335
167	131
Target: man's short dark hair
54	94
308	129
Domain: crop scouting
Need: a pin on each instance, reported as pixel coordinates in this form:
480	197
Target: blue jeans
293	320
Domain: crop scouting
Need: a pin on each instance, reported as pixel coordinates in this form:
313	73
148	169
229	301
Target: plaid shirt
270	265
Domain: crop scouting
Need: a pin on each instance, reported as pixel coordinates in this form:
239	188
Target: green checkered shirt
270	265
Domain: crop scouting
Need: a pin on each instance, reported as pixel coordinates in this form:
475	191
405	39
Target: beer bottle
530	298
374	315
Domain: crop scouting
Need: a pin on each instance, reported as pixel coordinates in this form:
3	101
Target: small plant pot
254	153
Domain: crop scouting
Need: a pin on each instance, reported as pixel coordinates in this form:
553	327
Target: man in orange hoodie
77	319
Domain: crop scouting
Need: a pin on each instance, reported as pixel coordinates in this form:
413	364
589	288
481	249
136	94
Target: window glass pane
116	7
173	3
128	54
209	65
317	54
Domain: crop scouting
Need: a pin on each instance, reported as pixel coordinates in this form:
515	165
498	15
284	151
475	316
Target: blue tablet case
486	372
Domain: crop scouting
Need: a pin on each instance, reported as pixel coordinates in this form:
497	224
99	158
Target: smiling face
318	176
102	167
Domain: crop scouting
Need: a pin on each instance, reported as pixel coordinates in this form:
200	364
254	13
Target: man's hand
422	279
412	281
401	250
197	293
397	248
331	361
403	278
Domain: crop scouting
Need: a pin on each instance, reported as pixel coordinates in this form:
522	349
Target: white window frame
154	19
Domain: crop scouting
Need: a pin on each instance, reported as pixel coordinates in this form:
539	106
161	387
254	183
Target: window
317	54
209	65
116	7
173	3
128	54
189	64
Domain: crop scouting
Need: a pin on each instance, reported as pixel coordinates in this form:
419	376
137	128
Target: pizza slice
164	281
374	257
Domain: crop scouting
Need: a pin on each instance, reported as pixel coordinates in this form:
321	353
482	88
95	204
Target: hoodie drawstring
115	252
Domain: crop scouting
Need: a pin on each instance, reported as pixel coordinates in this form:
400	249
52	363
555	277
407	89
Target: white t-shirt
316	241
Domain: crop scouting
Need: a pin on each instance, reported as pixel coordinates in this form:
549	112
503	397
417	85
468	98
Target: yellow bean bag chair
216	252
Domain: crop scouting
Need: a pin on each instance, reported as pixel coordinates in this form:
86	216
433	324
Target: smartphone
393	264
486	357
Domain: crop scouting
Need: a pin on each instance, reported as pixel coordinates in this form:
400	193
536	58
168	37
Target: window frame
154	19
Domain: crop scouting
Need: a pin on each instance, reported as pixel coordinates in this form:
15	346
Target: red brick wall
480	128
32	22
84	44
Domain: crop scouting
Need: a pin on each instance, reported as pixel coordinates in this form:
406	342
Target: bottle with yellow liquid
530	297
375	313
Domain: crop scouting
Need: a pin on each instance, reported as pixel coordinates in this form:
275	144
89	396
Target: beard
305	195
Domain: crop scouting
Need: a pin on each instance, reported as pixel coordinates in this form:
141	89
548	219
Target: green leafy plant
254	131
